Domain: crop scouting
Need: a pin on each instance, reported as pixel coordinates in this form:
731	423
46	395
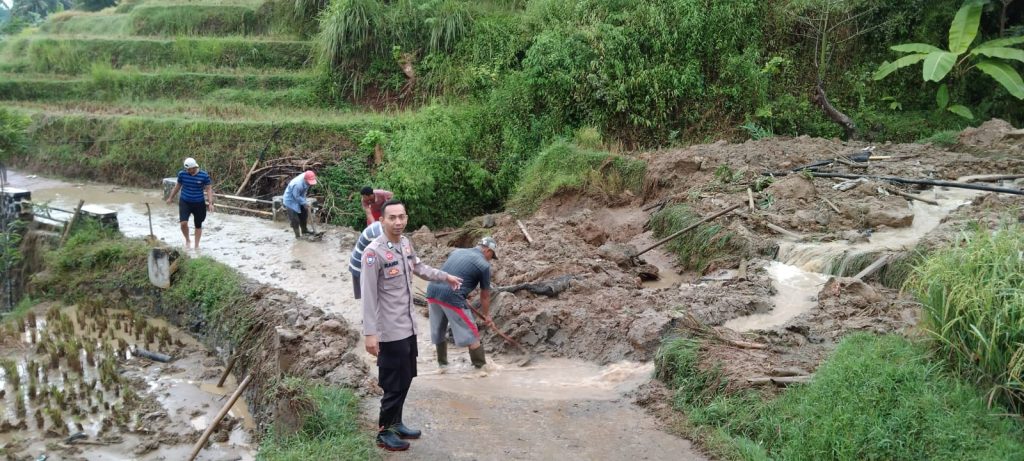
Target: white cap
490	243
191	163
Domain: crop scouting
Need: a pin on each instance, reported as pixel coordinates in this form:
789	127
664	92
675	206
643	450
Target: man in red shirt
372	201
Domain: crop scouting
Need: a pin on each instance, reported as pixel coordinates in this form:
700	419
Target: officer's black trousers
396	365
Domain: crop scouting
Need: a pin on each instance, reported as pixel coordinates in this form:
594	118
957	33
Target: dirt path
551	409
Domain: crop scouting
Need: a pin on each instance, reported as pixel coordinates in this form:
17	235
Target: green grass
566	168
288	89
78	54
973	299
331	431
698	248
139	150
216	290
95	258
196	19
874	398
80	22
944	138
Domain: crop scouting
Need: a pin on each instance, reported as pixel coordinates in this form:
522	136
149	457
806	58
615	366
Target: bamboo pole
874	267
71	222
227	370
832	205
689	228
223	411
923	182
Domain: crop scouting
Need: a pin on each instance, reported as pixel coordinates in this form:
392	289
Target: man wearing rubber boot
388	264
295	201
450	307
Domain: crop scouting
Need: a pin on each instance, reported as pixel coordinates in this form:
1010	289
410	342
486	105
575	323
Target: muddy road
553	408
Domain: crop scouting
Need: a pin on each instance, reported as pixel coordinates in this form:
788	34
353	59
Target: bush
973	298
13	140
565	168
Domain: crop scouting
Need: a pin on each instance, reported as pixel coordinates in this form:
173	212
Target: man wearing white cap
196	198
295	201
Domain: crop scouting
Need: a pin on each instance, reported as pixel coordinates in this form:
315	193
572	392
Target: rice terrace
511	229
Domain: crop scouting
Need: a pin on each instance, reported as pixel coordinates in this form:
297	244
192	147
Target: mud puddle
72	371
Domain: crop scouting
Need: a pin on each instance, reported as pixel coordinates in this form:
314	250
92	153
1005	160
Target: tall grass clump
973	299
170	20
876	397
331	430
563	167
97	257
78	22
216	290
698	248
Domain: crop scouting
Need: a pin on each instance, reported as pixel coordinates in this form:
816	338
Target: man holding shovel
296	204
450	307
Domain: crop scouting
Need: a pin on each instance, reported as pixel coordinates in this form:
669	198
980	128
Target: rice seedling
11	375
30	318
973	299
38	416
19	405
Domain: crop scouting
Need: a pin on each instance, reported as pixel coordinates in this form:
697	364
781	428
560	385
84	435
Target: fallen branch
689	228
654	205
522	227
154	356
851	164
778	229
911	196
446	233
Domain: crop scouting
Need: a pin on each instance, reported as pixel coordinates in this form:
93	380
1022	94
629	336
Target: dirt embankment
609	314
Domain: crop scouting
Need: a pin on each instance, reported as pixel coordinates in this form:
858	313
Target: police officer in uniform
389	330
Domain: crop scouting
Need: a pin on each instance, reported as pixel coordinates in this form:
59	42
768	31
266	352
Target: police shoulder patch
371	257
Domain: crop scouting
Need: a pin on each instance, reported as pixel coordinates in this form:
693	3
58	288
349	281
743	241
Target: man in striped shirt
448	306
196	198
355	260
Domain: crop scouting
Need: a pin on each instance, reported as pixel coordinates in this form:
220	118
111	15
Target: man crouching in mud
388	327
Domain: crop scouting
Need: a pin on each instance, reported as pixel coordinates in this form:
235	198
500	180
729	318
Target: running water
797	273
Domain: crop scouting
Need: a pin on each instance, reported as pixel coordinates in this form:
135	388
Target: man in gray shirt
450	307
388	327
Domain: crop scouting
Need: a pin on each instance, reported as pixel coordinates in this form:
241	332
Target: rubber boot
442	354
297	234
477	357
389	440
407	433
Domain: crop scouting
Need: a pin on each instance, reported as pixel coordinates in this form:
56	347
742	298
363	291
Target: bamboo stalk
874	267
71	223
227	370
216	420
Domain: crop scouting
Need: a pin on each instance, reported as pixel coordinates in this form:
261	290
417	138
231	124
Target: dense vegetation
493	83
875	398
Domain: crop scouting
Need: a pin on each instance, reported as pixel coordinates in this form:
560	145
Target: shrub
973	298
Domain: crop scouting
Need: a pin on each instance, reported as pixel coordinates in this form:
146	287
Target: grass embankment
140	150
875	398
564	167
973	299
329	431
97	262
78	54
288	89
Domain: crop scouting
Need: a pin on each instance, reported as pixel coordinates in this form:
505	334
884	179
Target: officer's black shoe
388	439
406	433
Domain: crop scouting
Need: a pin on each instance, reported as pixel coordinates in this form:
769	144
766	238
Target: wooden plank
259	212
244	199
874	267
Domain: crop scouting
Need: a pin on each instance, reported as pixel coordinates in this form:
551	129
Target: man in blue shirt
295	201
449	306
196	198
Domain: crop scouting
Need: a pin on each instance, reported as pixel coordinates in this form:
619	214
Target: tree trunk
842	119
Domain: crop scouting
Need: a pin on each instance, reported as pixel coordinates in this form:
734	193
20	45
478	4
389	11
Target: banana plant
992	58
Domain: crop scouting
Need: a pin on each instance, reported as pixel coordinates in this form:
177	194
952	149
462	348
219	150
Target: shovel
529	357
